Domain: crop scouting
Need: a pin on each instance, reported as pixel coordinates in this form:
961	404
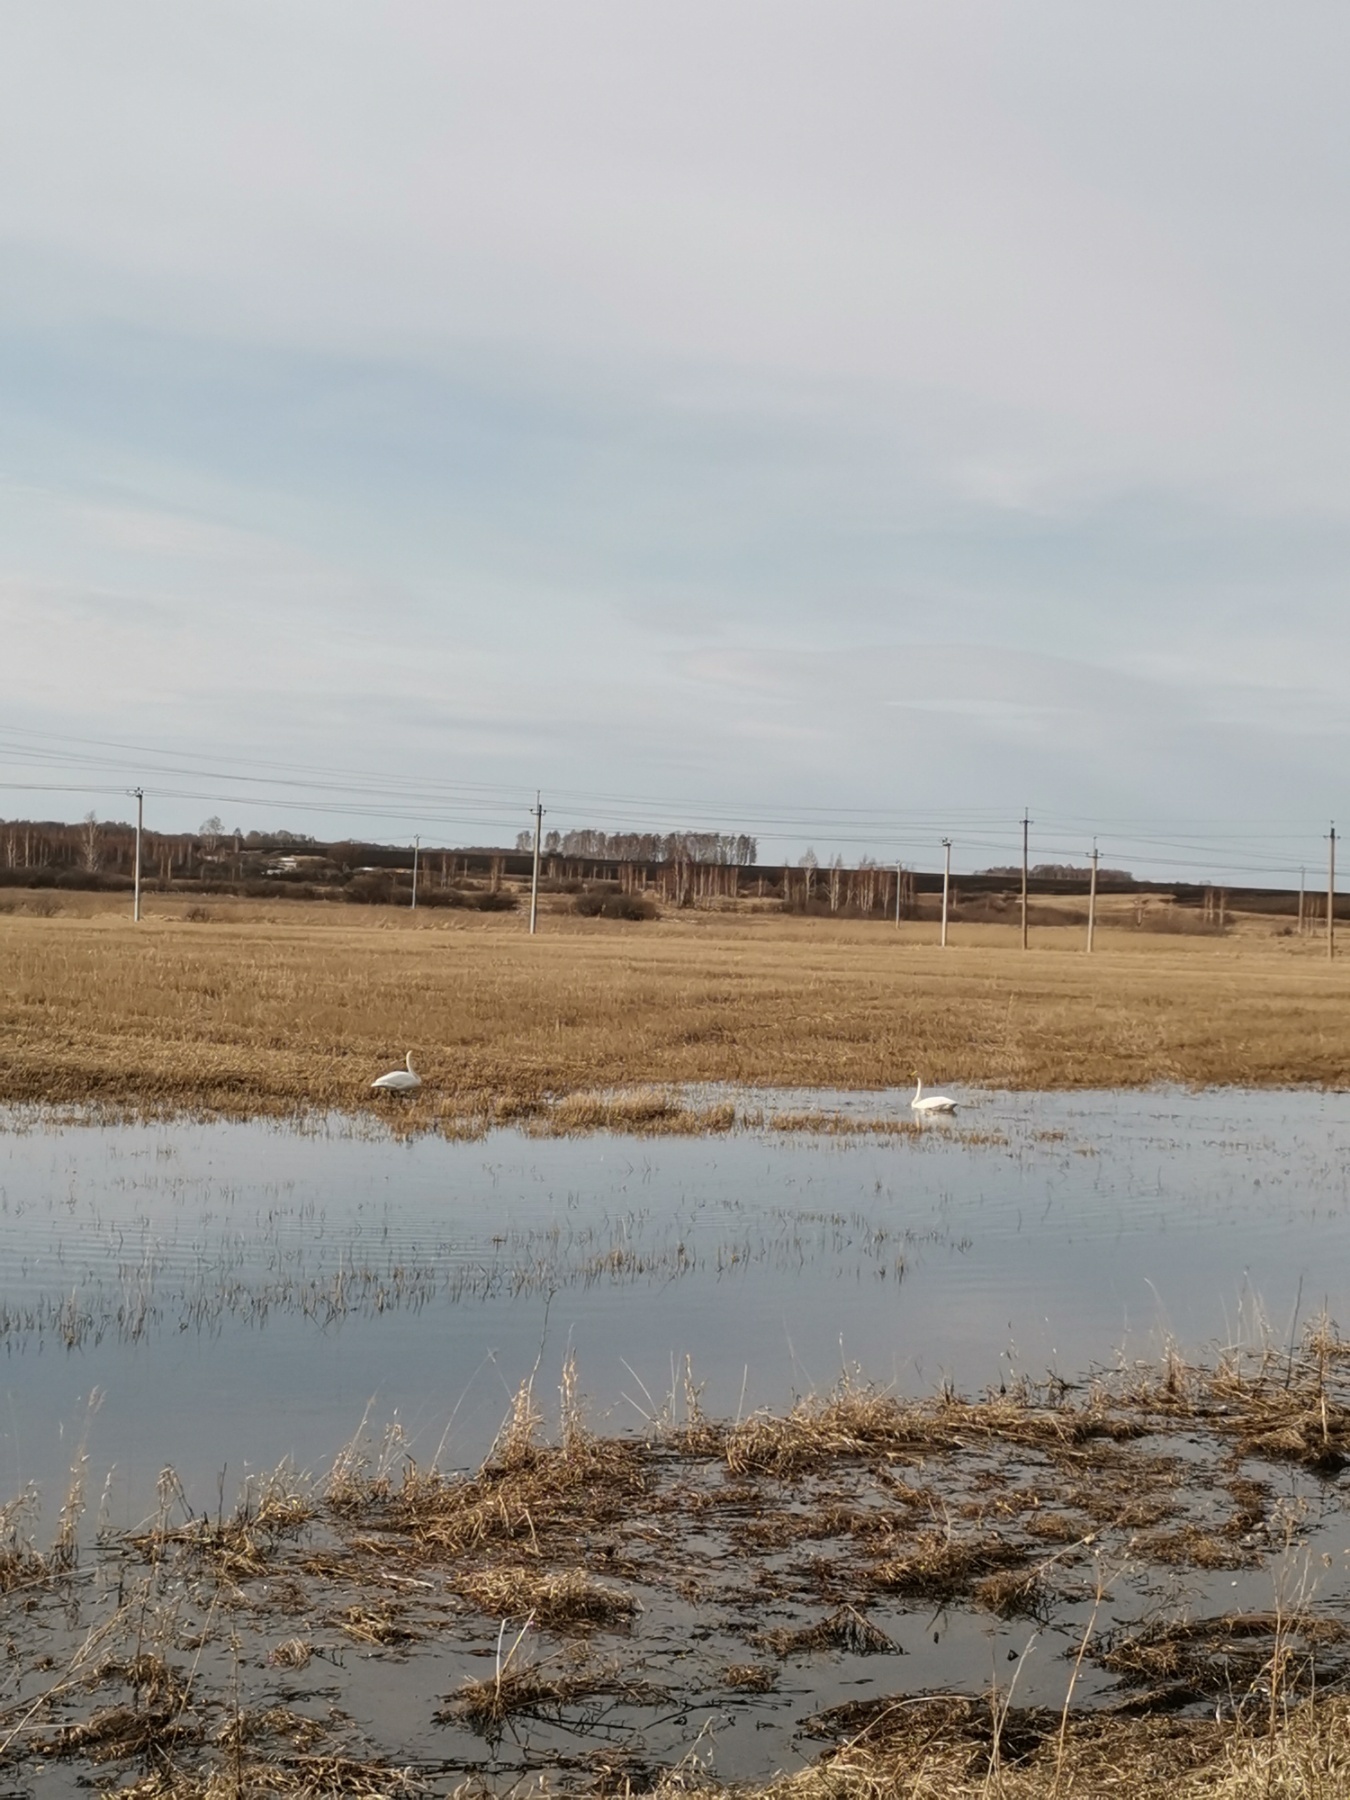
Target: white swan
399	1081
931	1103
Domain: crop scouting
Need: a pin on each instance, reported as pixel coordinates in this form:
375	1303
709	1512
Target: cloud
713	403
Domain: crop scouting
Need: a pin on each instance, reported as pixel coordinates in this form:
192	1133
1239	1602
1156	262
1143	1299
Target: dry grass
861	1421
279	1778
275	1014
555	1599
954	1748
846	1629
271	1511
949	1502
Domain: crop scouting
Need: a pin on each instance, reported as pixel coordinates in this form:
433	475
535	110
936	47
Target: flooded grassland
1007	1451
251	1012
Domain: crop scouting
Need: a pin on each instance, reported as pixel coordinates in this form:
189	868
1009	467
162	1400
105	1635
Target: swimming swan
931	1103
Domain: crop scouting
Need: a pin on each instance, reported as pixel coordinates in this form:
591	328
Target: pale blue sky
709	415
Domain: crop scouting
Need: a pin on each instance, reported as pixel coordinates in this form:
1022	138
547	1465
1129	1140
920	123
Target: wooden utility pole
534	876
1092	897
417	845
898	883
1026	822
1331	892
1302	878
946	884
136	872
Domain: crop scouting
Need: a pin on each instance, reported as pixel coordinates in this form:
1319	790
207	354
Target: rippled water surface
239	1293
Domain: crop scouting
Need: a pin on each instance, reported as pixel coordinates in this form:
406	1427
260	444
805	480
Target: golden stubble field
259	1010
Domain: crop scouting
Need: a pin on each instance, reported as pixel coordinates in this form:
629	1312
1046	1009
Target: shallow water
235	1294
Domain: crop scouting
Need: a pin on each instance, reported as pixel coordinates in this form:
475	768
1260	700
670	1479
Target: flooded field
184	1272
668	1556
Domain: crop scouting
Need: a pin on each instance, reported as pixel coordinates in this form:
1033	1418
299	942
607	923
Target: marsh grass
550	1687
857	1420
956	1748
845	1629
271	1015
271	1511
556	1554
556	1599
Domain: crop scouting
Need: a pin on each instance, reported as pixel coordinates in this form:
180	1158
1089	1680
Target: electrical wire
423	803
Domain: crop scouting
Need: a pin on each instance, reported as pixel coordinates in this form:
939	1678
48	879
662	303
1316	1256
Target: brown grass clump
846	1629
273	1016
115	1733
941	1566
291	1653
22	1565
301	1777
749	1678
373	1625
1278	1405
651	1111
556	1599
271	1510
546	1498
541	1688
1234	1657
856	1421
953	1748
1012	1594
833	1124
1189	1547
1058	1527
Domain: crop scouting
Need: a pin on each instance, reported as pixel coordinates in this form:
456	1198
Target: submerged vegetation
597	1613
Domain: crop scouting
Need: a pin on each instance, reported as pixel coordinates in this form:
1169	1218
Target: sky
851	424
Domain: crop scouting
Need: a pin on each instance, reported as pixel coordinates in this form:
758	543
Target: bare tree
90	847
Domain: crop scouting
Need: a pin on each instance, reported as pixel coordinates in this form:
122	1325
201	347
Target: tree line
729	850
1056	872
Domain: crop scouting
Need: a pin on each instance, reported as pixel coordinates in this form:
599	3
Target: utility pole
1026	822
136	872
1092	898
534	878
417	845
1331	893
898	868
946	884
1302	878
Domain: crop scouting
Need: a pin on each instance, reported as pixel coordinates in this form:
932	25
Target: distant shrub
1174	922
613	906
504	900
82	880
370	889
1006	909
376	887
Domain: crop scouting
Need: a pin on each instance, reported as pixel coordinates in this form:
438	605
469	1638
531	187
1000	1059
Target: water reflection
237	1293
